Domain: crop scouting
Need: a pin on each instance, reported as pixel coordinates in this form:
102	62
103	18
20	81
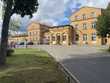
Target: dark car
30	43
22	43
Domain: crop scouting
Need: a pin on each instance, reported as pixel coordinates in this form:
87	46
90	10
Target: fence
70	78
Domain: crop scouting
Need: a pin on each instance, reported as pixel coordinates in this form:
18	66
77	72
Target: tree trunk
4	35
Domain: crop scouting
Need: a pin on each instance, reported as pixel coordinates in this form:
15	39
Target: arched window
85	37
53	37
64	37
77	37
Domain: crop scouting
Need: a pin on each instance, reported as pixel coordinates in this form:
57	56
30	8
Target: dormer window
85	26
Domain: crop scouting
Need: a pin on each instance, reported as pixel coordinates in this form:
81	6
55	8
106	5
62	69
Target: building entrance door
104	41
75	38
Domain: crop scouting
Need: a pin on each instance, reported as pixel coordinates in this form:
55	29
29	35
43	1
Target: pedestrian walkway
87	64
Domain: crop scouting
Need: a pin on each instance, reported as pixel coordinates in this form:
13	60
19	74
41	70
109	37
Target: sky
57	12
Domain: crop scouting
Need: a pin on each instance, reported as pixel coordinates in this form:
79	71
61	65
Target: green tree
14	24
103	24
22	7
107	12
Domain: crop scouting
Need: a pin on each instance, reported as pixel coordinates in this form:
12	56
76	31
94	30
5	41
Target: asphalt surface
87	64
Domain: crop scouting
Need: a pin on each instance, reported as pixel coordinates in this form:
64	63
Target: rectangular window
64	38
84	17
84	37
94	35
84	26
94	25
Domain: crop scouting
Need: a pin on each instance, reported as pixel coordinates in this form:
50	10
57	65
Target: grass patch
109	49
31	66
106	50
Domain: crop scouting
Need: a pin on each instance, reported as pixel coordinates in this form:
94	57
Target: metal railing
69	76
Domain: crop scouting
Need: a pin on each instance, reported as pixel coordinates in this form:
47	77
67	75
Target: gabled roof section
85	7
33	25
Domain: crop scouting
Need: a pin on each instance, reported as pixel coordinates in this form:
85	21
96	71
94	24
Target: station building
18	38
81	31
57	35
84	21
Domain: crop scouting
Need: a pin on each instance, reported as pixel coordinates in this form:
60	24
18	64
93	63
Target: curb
71	78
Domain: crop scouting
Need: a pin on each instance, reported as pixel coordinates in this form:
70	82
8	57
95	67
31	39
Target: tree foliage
14	24
102	28
103	23
22	7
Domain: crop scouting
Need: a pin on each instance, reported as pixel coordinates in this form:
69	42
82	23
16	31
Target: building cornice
85	7
84	20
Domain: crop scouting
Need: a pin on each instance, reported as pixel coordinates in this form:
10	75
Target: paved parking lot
87	64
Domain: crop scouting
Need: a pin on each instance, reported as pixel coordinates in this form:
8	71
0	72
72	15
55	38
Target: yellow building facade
18	38
61	35
41	34
36	32
84	21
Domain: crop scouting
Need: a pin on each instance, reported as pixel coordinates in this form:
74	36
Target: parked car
30	43
22	43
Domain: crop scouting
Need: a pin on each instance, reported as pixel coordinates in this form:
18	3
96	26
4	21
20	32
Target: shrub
10	52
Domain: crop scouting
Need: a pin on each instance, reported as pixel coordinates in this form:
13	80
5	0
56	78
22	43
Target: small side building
18	38
36	32
57	35
61	35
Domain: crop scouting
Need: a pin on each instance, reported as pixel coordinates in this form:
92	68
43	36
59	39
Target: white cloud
50	10
97	3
